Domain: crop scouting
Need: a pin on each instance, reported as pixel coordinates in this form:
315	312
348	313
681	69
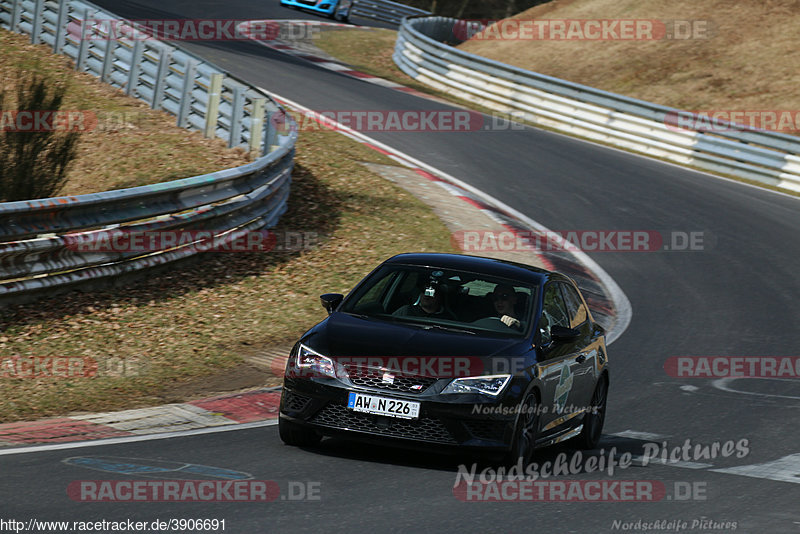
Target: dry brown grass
132	144
750	62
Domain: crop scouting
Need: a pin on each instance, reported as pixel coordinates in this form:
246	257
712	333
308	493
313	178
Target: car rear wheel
296	435
593	421
526	431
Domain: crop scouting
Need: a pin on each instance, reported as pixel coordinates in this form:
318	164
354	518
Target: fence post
212	108
61	26
36	23
108	58
186	93
16	8
257	126
83	42
136	60
164	59
237	114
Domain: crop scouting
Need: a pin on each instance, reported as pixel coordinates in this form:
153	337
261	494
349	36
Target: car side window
554	312
371	300
575	306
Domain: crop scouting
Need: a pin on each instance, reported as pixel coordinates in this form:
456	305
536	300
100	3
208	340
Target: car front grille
372	377
422	429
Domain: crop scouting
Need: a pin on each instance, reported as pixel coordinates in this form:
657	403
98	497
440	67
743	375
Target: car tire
525	432
593	421
341	16
296	435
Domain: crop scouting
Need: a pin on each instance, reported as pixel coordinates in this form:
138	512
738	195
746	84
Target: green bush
33	164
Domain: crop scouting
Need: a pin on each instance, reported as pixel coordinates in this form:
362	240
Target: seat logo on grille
388	378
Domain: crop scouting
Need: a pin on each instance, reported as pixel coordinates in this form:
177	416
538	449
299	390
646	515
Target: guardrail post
257	126
186	93
108	58
16	8
212	107
164	59
83	42
61	26
36	23
133	73
237	114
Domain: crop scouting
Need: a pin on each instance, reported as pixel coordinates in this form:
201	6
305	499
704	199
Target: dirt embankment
741	55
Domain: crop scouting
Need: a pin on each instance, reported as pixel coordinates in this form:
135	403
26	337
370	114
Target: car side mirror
330	301
562	334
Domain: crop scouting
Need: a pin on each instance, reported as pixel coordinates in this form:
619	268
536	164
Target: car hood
342	335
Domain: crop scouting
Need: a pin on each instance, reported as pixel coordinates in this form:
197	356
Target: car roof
479	264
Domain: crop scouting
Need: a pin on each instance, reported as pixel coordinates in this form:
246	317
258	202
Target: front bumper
470	421
326	7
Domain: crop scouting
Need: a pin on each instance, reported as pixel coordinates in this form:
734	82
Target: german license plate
383	406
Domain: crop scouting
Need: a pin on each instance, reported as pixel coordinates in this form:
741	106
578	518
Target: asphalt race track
737	296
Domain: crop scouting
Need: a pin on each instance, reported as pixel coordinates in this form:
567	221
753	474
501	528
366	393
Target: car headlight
488	385
316	363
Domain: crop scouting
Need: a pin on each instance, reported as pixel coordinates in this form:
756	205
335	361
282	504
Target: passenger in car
504	298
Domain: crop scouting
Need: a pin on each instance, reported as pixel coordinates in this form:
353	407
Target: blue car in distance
335	9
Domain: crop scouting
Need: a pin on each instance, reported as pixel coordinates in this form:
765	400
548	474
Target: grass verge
128	144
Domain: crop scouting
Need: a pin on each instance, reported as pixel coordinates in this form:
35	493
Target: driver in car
429	304
504	299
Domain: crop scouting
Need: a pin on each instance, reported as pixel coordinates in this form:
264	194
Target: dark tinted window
554	312
458	299
575	306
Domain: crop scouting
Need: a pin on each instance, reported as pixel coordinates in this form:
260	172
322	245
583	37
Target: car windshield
455	300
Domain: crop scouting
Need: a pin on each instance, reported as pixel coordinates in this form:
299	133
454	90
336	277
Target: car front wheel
593	420
526	431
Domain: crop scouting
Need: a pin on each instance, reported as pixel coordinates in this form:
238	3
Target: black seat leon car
439	350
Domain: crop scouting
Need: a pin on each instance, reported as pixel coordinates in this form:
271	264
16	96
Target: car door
558	363
586	358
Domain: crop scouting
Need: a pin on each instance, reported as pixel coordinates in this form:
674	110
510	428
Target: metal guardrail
40	239
384	10
641	126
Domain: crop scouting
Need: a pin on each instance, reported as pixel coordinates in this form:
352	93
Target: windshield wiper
448	328
360	315
425	325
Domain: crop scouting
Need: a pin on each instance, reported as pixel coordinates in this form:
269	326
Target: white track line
133	439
